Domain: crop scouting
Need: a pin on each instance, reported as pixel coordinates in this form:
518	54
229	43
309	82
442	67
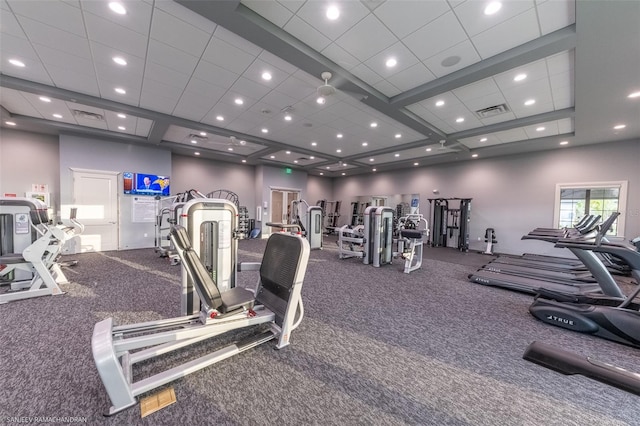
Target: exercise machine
490	239
410	240
309	220
276	302
450	219
569	363
330	215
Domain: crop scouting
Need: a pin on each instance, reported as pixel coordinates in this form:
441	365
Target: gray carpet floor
376	347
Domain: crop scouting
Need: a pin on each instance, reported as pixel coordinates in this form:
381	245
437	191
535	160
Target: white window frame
622	199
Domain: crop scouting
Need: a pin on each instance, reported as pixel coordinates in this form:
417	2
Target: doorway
281	205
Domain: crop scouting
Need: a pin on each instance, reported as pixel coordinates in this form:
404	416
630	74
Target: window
575	200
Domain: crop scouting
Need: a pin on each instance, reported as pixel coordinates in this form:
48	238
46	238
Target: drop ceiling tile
561	62
19	48
292	5
511	135
429	40
86	122
54	13
107	91
397	51
237	41
183	36
170	92
229	112
66	60
539	90
257	67
230	97
16	103
554	15
34	71
224	55
55	38
157	101
117	36
561	84
186	15
296	88
137	18
214	74
306	34
471	14
271	11
547	129
464	51
103	56
365	74
165	75
143	127
340	56
508	34
535	71
250	89
565	125
404	17
192	107
485	101
366	38
278	99
501	118
476	90
412	77
277	62
66	78
314	13
118	78
9	25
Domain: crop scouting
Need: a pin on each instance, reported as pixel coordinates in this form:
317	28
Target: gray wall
511	194
27	158
86	153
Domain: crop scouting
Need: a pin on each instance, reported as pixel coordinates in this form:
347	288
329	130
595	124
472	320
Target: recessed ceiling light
564	143
312	158
365	143
203	133
459	119
219	118
483	140
343	173
519	77
374	124
17	63
121	128
120	90
194	141
288	152
119	60
398	135
266	76
287	117
338	150
415	164
634	95
314	143
10	123
529	102
371	159
321	173
57	115
492	7
265	130
295	161
345	164
396	155
391	62
428	149
45	99
619	126
244	161
474	155
333	13
238	101
539	129
272	156
321	100
196	153
117	8
339	135
230	148
328	167
439	103
374	170
122	115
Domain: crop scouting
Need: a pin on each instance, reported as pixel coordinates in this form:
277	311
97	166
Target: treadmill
532	284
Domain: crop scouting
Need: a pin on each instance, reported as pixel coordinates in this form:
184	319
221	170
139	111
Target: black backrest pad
278	272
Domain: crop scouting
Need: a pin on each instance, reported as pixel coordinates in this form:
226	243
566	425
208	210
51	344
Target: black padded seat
237	298
11	258
411	233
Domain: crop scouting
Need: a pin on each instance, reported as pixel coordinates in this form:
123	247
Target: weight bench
277	302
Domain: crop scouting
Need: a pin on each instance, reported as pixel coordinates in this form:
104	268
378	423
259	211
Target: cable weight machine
450	219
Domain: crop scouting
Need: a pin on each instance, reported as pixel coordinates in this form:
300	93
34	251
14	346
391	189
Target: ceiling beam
547	45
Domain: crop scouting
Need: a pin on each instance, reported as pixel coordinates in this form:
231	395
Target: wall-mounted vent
492	111
88	115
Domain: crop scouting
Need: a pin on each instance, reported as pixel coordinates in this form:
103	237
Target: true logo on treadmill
560	320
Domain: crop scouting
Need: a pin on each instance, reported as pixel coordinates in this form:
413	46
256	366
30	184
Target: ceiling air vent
88	115
492	111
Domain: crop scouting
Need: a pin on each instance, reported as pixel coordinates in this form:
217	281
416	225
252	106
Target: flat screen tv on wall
145	184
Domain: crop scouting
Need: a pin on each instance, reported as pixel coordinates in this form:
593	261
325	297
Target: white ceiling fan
326	90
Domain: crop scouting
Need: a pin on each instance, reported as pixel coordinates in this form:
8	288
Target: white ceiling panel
554	15
103	56
377	37
306	33
117	36
54	13
158	101
143	126
17	104
18	48
250	89
397	51
314	13
277	62
471	14
403	17
429	40
508	34
237	41
258	67
387	88
292	5
214	74
137	18
476	90
464	53
365	73
61	59
165	75
295	87
224	55
534	71
9	26
183	36
341	57
186	15
66	78
55	38
270	10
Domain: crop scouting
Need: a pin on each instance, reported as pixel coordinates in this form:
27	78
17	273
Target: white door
95	194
